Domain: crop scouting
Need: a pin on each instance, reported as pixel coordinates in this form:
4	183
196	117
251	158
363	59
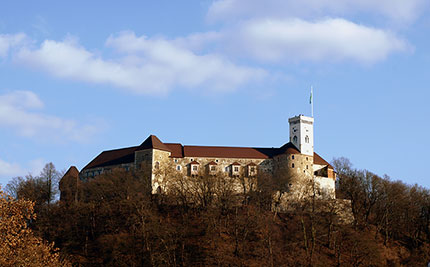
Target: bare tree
51	177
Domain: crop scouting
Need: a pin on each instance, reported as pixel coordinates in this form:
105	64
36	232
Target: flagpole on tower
311	101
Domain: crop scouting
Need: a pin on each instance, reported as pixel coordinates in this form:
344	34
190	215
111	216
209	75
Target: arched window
157	165
307	139
292	165
295	139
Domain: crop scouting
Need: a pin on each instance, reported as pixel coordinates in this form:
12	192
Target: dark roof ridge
112	157
153	142
116	149
245	147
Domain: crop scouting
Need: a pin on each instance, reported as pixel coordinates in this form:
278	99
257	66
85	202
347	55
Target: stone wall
90	173
159	165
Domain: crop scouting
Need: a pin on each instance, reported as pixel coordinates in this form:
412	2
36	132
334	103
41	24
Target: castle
297	156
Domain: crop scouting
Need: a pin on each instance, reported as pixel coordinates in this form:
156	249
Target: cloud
332	40
147	65
23	99
18	111
403	11
10	169
8	41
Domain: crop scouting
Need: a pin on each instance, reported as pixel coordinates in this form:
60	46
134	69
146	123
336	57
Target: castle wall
298	164
161	162
326	187
224	167
89	173
158	164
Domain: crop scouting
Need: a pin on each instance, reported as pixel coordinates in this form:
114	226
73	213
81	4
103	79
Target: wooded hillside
114	223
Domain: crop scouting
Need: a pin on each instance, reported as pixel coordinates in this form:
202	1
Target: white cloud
276	40
16	112
396	10
152	66
8	41
23	99
9	170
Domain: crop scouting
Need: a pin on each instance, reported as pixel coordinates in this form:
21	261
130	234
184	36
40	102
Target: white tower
302	134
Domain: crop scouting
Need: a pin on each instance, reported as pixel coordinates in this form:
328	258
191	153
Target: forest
113	222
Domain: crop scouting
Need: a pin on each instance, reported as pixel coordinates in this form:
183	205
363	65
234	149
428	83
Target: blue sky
86	76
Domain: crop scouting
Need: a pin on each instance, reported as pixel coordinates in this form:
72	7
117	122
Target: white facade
326	187
302	134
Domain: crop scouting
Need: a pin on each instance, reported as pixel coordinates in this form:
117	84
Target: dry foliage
19	246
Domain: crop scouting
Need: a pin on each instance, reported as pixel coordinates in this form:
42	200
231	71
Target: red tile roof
72	171
235	164
212	163
227	152
126	155
320	161
113	157
194	162
176	150
153	142
288	148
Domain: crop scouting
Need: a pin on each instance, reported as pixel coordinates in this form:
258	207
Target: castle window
194	167
292	165
295	139
307	139
235	168
157	165
192	160
307	167
178	168
216	160
292	157
176	160
252	170
212	168
307	158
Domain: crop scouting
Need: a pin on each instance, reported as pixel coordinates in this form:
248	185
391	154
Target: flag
310	98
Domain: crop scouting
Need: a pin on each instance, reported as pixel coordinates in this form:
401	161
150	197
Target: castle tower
302	134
